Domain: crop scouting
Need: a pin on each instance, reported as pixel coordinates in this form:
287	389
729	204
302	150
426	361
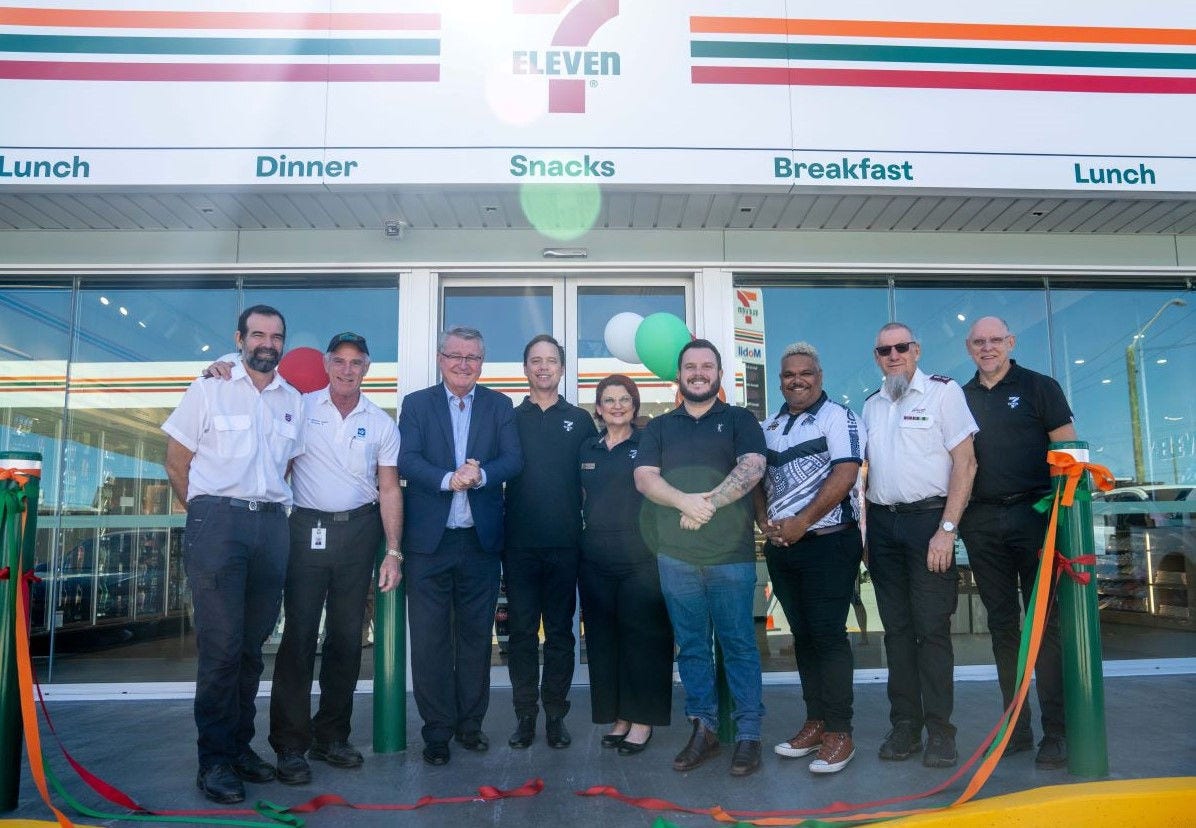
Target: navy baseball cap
350	338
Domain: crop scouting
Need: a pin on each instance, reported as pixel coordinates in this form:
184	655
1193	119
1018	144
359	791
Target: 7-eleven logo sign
749	309
570	68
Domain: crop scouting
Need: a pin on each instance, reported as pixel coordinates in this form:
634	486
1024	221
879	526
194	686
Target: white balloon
620	336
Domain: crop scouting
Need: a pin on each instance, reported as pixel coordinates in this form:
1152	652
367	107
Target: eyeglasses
992	341
623	401
468	359
900	347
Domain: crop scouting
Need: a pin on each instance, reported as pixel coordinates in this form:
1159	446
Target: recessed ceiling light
124	311
960	317
103	300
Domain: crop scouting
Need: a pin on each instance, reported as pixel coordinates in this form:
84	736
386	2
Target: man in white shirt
226	457
920	468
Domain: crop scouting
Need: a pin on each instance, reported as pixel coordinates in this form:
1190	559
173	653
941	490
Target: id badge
319	537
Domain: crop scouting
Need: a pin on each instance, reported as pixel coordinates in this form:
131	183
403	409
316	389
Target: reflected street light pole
1131	375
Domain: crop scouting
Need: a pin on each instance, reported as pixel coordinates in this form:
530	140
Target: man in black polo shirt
698	463
1020	412
543	539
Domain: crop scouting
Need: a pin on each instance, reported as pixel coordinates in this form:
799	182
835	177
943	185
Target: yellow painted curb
1142	803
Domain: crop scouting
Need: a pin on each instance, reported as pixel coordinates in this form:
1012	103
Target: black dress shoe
746	759
474	740
556	734
220	785
702	745
613	740
436	753
338	754
525	733
249	767
292	768
627	748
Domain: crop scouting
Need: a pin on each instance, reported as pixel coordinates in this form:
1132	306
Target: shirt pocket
234	434
363	458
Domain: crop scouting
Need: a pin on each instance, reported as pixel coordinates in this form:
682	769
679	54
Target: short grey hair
802	349
896	326
461	332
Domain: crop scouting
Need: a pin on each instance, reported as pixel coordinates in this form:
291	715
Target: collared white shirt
242	439
802	450
460	413
909	441
338	469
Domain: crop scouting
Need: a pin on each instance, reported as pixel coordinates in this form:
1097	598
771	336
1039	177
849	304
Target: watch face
948	526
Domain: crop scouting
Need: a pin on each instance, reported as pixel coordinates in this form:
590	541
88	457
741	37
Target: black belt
1011	500
927	505
241	503
339	517
828	530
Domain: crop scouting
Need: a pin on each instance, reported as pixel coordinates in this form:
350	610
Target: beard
263	359
699	396
896	385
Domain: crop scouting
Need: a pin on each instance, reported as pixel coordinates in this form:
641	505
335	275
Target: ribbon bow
1064	465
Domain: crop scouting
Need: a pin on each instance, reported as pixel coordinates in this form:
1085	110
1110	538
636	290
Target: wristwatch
948	526
396	554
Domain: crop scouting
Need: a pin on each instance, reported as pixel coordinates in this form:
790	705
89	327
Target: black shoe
220	784
613	740
1020	741
474	740
249	767
525	733
940	751
746	759
627	748
436	753
1052	753
336	753
702	745
292	768
901	742
556	734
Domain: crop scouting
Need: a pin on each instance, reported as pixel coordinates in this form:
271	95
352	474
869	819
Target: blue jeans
706	601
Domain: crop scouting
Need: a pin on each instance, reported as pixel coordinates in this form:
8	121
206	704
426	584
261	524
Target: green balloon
658	342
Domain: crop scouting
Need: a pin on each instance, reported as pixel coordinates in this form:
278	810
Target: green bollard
726	724
1079	633
390	668
18	535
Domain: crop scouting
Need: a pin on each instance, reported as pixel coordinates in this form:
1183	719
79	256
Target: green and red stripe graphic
916	55
222	46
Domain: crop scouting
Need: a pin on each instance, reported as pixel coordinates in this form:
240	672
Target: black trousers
629	640
451	595
1003	547
236	564
336	578
916	607
541	587
814	581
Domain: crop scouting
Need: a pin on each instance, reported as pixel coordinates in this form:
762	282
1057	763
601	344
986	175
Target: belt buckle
253	505
892	507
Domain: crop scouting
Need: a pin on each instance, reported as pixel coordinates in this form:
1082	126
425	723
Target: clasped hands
783	532
696	510
469	476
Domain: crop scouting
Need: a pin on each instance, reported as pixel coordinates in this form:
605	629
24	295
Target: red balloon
304	369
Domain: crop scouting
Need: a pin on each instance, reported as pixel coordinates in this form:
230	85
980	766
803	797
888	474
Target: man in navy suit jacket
459	445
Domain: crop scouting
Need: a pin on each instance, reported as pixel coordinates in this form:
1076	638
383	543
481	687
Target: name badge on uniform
916	419
588	466
319	537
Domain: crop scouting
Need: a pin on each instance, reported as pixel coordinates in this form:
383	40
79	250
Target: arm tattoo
740	481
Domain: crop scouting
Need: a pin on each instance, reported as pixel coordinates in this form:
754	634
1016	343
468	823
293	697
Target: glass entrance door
575	310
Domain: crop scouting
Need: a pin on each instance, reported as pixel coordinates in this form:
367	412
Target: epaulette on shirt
873	394
940	378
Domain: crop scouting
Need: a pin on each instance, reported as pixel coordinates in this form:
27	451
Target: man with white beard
921	463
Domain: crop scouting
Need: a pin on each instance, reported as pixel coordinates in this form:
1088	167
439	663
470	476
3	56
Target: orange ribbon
1064	465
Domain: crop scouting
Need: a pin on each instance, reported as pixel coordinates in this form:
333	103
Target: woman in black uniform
629	642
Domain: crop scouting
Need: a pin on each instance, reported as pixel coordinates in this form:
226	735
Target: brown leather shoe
836	751
807	740
746	759
702	745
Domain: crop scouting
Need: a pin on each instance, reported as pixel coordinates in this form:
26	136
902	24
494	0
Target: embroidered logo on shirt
773	426
286	417
1013	401
568	424
720	428
632	453
361	432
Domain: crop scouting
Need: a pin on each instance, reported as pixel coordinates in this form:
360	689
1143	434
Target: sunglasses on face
900	347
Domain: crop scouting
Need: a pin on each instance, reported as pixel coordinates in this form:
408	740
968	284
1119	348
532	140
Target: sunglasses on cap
901	347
